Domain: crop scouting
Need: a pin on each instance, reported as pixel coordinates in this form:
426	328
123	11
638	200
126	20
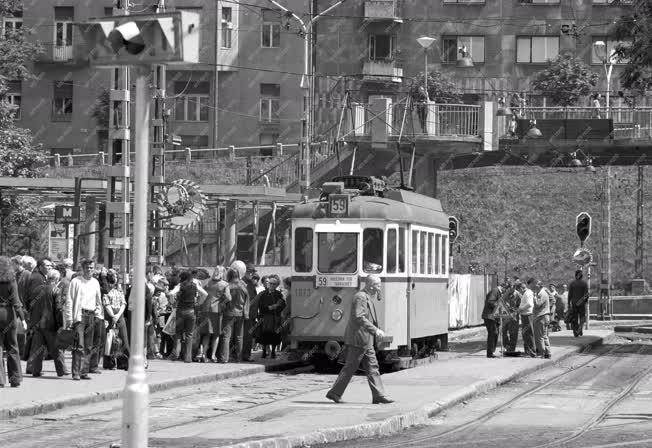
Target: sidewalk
420	393
48	393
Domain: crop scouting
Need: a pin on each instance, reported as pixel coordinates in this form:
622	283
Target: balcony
64	54
382	71
381	11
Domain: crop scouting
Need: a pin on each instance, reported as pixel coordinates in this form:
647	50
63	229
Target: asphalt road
600	399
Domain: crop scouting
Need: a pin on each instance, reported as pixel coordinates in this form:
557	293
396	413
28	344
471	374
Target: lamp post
425	43
307	83
600	49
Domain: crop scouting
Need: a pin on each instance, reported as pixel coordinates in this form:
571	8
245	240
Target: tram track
107	421
510	403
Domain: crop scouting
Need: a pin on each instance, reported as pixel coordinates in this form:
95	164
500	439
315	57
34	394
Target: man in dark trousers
249	325
578	295
491	320
511	325
359	340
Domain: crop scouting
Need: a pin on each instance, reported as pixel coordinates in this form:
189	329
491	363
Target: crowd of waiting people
191	314
537	309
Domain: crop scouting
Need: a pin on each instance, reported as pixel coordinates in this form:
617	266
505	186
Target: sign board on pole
66	214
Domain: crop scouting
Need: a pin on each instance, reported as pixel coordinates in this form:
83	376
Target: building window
64	17
540	2
62	103
271	29
270	99
227	27
12	24
464	1
452	44
14	96
381	47
192	102
611	46
536	49
108	11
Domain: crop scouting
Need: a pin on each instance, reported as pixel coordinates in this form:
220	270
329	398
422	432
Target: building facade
246	89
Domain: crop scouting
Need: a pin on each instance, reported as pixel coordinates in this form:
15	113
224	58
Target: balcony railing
380	70
69	54
380	10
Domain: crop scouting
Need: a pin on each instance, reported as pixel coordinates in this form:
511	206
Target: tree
565	80
440	88
19	155
636	30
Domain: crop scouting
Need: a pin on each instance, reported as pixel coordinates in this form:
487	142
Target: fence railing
433	119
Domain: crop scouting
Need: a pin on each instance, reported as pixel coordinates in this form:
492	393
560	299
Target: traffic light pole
136	392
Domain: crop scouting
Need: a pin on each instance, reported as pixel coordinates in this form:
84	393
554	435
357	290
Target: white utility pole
307	83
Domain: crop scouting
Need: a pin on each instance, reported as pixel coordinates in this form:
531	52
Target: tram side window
415	251
401	250
444	242
303	247
423	253
429	261
372	251
391	251
437	246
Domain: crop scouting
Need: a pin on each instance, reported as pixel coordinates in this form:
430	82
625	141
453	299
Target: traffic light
583	226
165	38
453	229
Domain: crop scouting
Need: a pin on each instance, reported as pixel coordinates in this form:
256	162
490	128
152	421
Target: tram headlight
337	315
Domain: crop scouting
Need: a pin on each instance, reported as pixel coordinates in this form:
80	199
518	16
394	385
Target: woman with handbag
10	308
210	319
114	305
270	306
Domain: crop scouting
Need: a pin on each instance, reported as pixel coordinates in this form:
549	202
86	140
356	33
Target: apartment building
375	43
223	100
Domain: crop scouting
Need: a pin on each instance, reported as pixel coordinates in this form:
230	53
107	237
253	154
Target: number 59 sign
338	204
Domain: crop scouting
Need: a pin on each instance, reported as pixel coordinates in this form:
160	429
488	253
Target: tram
358	227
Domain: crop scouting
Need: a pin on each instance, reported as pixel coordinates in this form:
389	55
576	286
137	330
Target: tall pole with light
600	49
139	41
425	43
307	82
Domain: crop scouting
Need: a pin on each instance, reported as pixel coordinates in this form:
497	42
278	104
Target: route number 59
339	204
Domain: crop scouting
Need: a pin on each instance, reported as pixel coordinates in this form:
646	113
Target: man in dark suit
359	340
578	296
491	320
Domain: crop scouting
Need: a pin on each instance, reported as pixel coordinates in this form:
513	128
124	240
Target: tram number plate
336	281
338	204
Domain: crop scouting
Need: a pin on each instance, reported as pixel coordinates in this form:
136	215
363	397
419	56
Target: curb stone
95	397
401	422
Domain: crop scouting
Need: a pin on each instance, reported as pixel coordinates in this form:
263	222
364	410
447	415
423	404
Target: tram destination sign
336	281
338	205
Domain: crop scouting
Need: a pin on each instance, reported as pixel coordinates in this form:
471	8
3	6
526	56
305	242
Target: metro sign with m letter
66	214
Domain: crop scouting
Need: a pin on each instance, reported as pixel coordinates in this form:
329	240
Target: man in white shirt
83	303
525	310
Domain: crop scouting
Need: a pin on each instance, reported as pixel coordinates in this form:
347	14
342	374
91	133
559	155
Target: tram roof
397	206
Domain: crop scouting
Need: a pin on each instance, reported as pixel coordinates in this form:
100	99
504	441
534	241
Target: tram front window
337	253
372	251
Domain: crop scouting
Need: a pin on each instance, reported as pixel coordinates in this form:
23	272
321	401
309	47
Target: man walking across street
359	340
512	299
578	295
491	320
82	303
525	310
541	314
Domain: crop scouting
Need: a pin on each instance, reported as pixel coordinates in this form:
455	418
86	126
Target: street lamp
307	82
426	42
600	49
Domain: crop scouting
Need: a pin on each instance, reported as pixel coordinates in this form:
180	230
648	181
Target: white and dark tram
356	228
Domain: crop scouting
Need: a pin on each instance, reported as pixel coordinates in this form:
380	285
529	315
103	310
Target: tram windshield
337	253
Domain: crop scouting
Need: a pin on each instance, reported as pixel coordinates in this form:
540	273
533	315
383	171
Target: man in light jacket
525	310
541	315
83	303
359	340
